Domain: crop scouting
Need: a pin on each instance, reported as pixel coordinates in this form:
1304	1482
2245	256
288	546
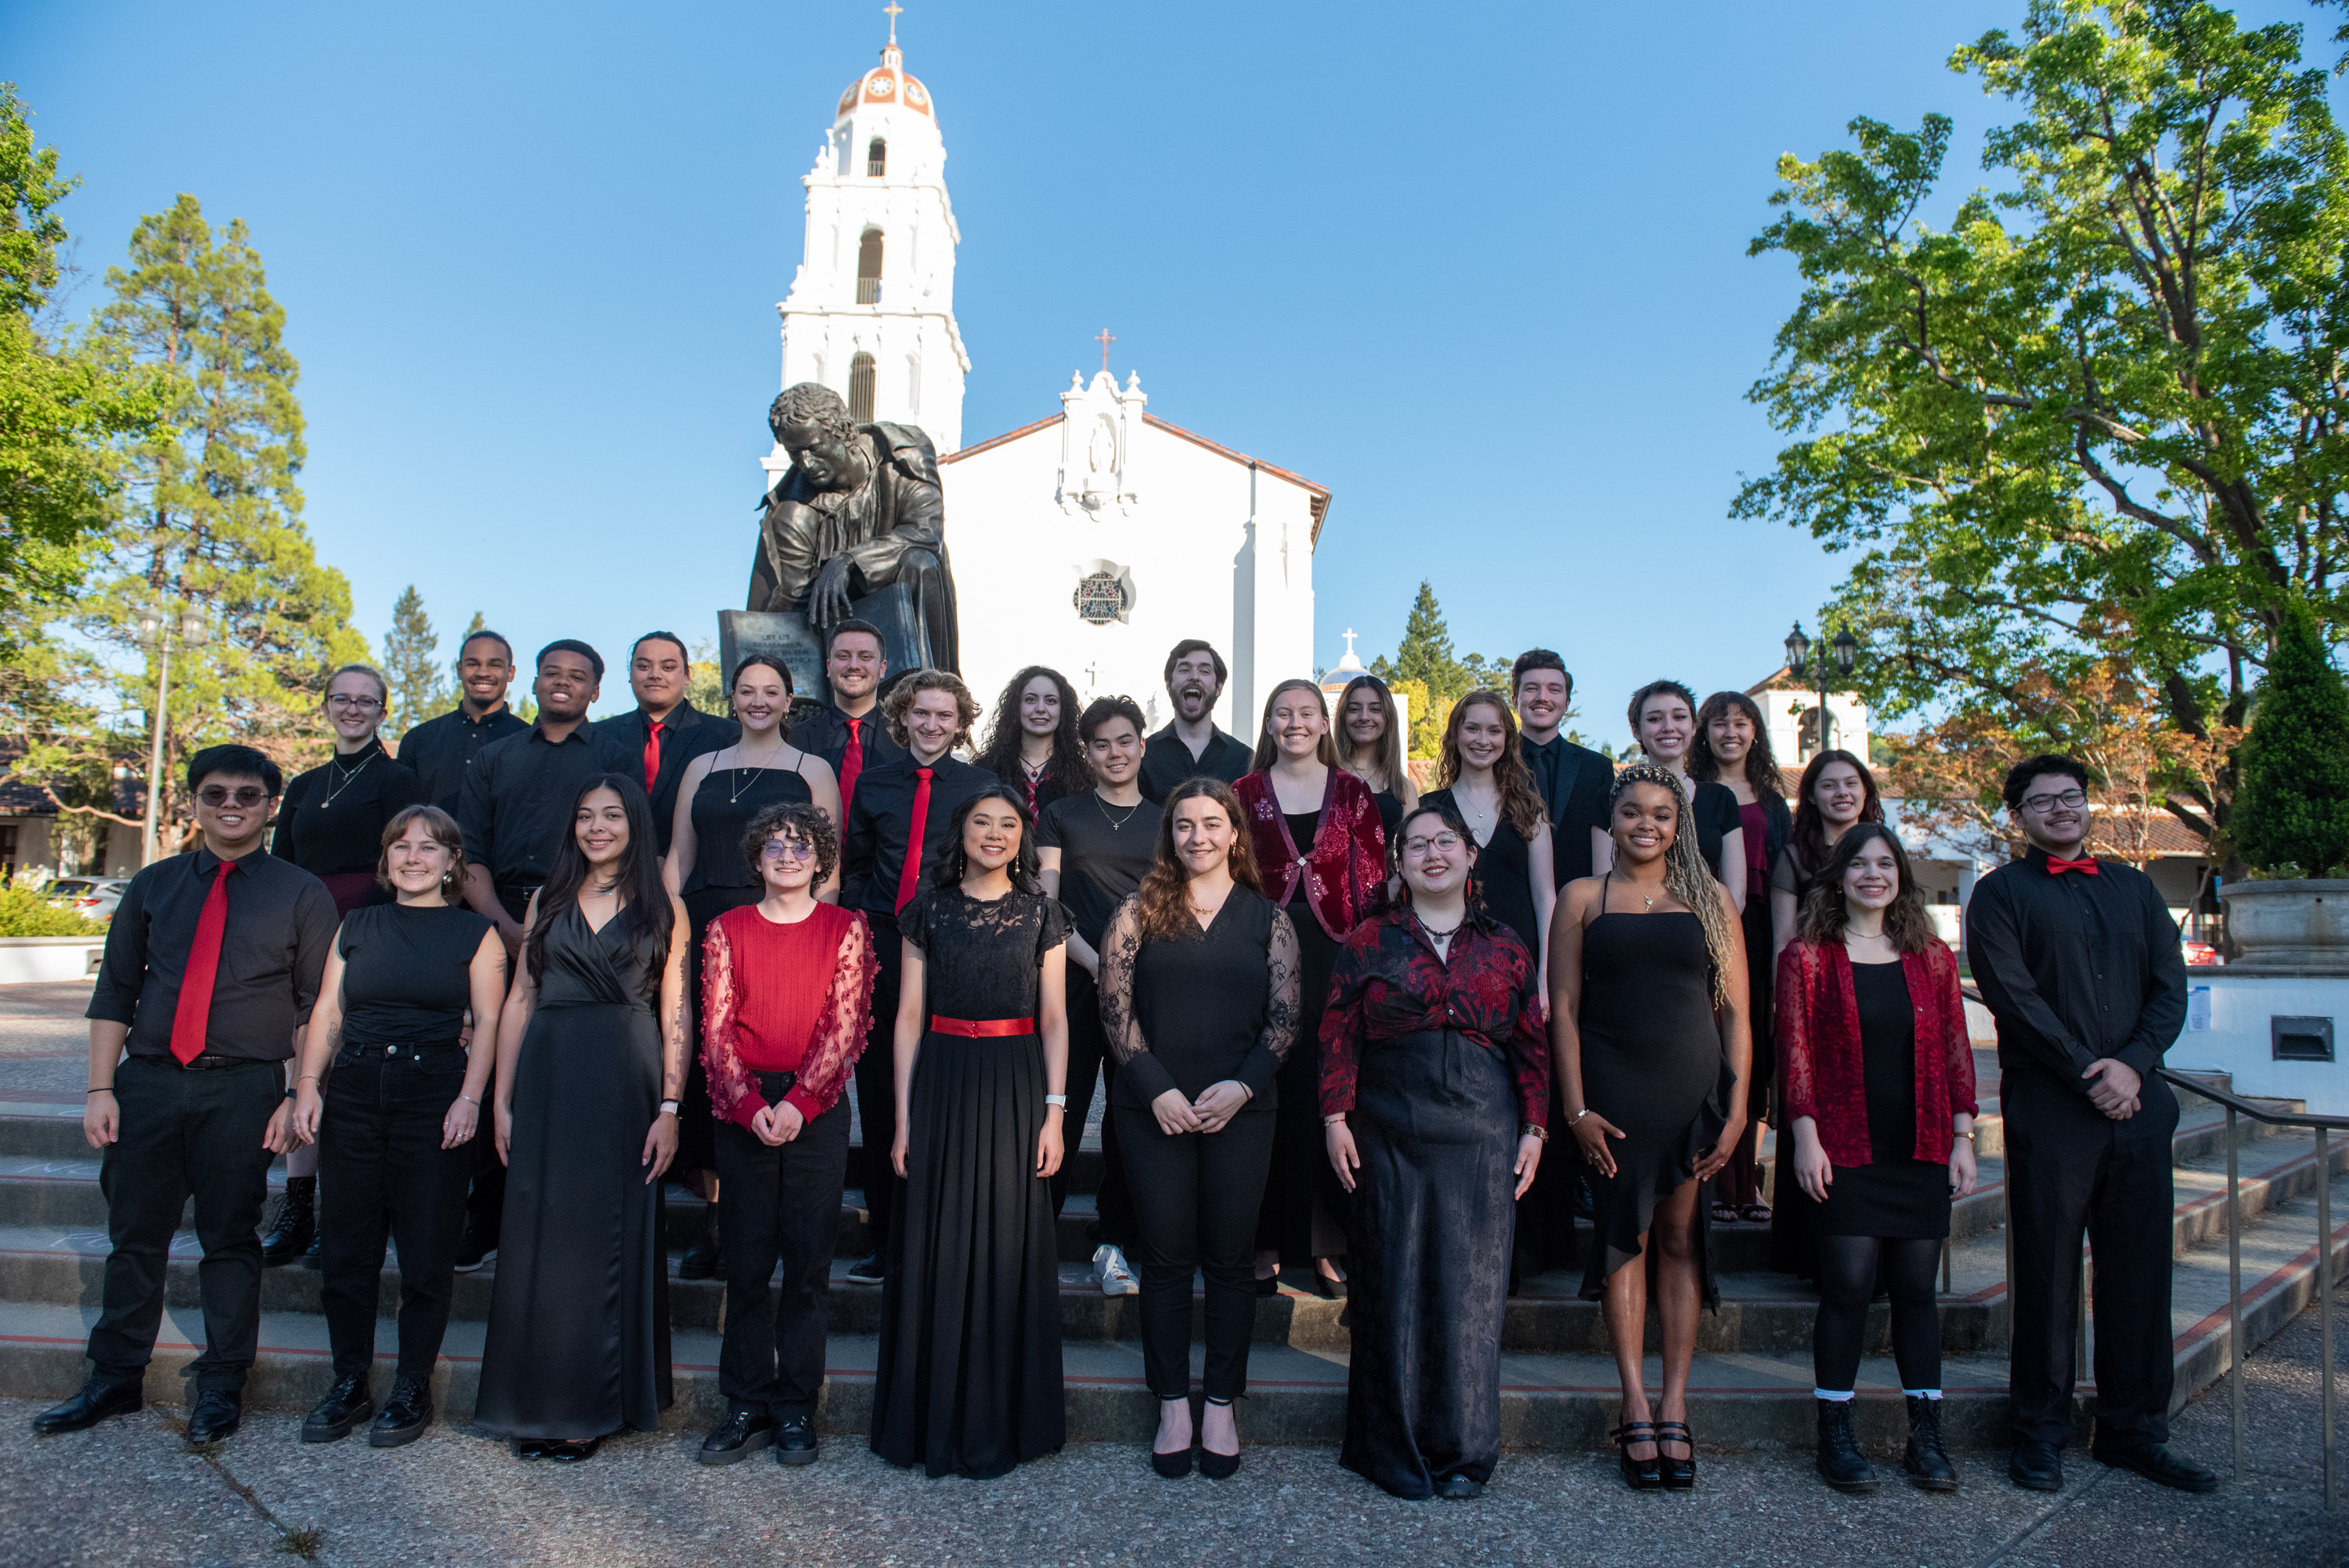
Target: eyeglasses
361	704
215	795
1447	842
2049	803
793	849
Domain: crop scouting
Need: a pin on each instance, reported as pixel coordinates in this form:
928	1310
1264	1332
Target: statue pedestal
788	635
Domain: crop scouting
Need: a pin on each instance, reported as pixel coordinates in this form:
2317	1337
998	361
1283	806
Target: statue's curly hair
811	403
1686	876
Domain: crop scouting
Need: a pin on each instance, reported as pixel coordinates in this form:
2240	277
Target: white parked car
93	896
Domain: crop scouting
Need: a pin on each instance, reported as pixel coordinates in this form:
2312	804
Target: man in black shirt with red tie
665	731
2078	961
212	965
899	831
850	732
441	751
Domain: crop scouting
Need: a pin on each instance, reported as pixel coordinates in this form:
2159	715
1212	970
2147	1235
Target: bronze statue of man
859	510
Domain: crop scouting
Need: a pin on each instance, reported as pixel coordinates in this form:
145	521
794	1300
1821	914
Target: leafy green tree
213	520
418	691
2096	423
2293	811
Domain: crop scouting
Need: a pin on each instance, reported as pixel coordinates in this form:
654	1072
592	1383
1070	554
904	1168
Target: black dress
1304	1212
1896	1194
1504	875
724	805
1652	1064
969	1380
1390	810
578	1338
1716	813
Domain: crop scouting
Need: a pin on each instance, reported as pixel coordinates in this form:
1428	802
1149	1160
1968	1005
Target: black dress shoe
404	1415
2035	1466
871	1269
215	1418
575	1453
702	1260
347	1405
1459	1486
96	1402
795	1440
741	1434
2157	1463
531	1448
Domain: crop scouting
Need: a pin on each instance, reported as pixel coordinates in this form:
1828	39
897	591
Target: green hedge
25	913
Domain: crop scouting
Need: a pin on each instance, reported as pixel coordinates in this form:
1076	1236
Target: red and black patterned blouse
1345	872
1388	982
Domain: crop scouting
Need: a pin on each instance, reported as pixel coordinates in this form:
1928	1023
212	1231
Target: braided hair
1686	876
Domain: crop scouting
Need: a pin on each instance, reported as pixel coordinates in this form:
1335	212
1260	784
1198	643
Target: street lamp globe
150	627
1847	650
1798	648
192	630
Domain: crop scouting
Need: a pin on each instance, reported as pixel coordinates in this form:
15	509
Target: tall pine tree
418	692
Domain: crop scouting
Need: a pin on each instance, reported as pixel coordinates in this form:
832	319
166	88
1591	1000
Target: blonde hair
1268	750
1686	876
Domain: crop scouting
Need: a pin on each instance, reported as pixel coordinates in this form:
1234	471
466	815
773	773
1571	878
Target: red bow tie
2056	868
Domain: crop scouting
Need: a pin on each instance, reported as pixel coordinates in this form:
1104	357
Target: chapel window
876	158
859	389
868	268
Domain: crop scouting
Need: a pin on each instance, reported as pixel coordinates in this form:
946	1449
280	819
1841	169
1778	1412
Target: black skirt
1304	1213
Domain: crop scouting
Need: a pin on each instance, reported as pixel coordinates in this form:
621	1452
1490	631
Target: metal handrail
2235	1106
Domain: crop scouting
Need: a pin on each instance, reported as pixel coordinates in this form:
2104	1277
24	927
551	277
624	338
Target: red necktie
652	754
909	880
2056	868
193	1015
850	765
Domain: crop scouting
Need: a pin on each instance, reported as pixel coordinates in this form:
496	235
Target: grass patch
303	1542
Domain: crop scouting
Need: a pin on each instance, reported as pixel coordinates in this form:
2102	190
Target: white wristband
1059	1099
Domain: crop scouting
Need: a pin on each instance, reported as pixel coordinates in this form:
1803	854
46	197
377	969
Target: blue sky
1481	271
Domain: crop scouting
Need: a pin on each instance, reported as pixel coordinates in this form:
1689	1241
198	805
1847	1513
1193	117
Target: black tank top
407	972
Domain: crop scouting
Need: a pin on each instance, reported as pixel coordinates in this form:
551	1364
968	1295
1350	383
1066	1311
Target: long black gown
968	1381
578	1337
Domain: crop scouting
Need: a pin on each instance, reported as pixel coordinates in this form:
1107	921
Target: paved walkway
130	1492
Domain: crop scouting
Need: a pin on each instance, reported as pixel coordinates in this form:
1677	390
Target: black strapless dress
578	1336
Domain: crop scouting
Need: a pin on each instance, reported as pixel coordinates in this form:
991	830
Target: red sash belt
972	1030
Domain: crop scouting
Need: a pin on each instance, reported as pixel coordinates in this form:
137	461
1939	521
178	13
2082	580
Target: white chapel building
1093	539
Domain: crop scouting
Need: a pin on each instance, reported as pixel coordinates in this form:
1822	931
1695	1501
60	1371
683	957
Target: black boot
297	1224
702	1260
1841	1463
1927	1463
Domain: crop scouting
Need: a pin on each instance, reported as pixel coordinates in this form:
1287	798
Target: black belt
360	1053
214	1061
773	1086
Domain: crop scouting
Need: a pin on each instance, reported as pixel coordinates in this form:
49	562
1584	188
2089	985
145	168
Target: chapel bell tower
871	311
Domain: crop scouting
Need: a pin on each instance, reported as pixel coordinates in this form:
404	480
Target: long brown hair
1514	780
1268	752
1826	916
1067	765
1810	835
1761	762
1163	899
1686	876
1387	754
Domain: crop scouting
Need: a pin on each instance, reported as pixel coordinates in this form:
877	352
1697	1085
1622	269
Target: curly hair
1761	762
1025	868
1826	913
1162	901
795	820
811	403
1002	756
1686	876
913	685
1514	780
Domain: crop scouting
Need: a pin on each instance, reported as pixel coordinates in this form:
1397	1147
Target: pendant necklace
734	791
346	779
1116	824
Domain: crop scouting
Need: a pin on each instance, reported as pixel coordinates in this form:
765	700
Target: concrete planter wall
31	958
2289	927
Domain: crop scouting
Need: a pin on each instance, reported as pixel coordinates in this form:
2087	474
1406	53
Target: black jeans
876	1085
782	1204
1195	1197
383	1172
1088	1051
185	1133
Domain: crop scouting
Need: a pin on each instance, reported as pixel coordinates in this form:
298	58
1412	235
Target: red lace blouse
1346	872
1820	1072
783	998
1388	982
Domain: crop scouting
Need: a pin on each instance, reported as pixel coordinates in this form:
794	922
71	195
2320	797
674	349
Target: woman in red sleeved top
787	985
1436	1098
1877	1077
1322	853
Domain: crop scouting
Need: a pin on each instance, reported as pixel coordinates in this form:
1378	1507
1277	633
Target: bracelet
305	1078
1533	1130
1577	1115
469	1100
102	1089
1337	1120
669	1108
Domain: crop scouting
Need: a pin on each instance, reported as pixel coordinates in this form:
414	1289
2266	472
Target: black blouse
1716	814
1220	1005
332	819
983	959
408	972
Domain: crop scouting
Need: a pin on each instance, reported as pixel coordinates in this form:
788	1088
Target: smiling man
1572	781
441	751
1191	746
664	731
849	732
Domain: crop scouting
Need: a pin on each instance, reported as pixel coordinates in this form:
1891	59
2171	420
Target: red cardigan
1820	1073
1346	874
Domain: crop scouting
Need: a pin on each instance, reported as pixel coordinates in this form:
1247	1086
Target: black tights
1847	1270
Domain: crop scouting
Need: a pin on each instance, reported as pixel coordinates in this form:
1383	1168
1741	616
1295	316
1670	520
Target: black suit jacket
1577	801
685	733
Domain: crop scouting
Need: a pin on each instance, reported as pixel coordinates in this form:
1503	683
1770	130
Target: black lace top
1185	1012
982	959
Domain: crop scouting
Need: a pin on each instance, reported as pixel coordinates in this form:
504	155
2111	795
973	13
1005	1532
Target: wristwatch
1059	1099
1533	1130
669	1108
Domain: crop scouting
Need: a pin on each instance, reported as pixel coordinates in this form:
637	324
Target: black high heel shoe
1679	1475
1176	1465
1640	1475
1213	1465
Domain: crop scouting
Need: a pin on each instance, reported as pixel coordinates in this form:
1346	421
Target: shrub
25	913
2292	806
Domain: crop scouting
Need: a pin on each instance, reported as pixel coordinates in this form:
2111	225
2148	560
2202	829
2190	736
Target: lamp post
155	635
1799	650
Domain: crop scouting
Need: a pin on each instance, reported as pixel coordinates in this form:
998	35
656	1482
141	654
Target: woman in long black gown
588	1078
1435	1101
717	799
1648	1016
969	1380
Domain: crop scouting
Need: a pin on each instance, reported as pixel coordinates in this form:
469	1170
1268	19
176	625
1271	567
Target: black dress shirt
687	733
518	799
1574	782
2075	967
1167	761
281	922
332	819
441	751
875	856
826	735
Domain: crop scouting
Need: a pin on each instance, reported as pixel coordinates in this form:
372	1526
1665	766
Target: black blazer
1577	801
685	733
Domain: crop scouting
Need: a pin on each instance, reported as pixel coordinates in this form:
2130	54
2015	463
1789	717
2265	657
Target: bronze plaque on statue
787	635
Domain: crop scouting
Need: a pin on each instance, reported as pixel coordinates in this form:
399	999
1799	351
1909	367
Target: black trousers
2071	1170
1088	1051
1195	1198
876	1084
783	1204
185	1134
385	1174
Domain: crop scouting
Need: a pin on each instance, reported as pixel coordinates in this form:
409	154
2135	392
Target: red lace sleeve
733	1095
1797	1068
840	1026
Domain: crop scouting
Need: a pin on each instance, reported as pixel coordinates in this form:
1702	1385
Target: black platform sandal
1176	1465
1640	1475
1213	1465
1679	1475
